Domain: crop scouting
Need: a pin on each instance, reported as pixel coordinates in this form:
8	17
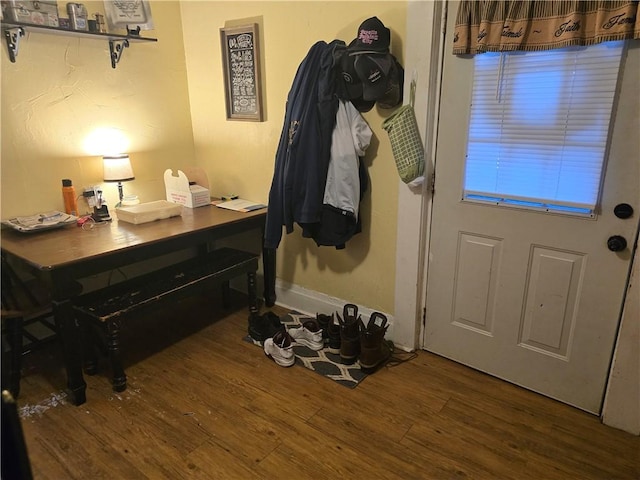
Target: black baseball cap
373	71
373	37
392	97
351	82
349	85
363	105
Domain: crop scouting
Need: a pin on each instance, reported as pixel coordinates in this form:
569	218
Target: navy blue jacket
304	149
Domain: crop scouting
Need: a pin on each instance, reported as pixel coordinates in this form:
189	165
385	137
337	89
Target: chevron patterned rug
322	362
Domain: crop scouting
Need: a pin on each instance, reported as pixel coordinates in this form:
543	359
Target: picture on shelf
44	12
128	14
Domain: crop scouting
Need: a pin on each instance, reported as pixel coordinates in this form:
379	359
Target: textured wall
62	89
239	156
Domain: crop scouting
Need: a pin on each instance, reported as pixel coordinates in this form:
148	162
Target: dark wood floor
202	403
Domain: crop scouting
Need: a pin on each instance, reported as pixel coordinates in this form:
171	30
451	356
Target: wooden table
63	256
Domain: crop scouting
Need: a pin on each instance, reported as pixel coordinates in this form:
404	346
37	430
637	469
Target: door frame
424	65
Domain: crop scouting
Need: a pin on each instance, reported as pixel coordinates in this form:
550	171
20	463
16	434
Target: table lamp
117	168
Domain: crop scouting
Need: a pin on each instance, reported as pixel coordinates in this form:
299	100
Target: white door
530	297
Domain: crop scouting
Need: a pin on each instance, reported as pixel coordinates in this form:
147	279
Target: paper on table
40	221
240	205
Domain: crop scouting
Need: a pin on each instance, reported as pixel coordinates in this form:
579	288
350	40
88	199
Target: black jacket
304	149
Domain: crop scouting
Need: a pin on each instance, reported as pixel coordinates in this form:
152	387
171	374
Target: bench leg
113	344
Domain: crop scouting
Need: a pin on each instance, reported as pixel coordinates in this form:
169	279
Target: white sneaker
309	335
280	349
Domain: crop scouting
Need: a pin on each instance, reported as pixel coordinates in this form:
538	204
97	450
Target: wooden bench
109	307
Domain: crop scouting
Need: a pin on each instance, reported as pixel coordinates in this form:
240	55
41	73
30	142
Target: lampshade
117	168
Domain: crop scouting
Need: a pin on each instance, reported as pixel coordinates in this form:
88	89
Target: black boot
333	332
349	336
374	350
323	321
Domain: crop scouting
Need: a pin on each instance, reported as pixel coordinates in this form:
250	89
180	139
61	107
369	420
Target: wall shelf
13	31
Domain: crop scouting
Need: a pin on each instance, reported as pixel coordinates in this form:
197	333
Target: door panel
530	297
552	292
475	286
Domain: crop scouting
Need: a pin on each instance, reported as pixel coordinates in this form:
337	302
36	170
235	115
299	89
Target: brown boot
374	350
349	336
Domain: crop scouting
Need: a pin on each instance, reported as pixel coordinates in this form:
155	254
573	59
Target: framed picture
241	64
128	14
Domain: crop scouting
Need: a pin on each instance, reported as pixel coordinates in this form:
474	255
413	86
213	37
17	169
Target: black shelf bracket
12	36
116	47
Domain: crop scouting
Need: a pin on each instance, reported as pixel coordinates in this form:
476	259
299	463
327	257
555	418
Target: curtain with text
504	26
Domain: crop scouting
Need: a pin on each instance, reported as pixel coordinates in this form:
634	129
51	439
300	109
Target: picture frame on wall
131	15
241	72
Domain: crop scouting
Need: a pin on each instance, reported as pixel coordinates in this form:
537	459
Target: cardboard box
180	190
36	12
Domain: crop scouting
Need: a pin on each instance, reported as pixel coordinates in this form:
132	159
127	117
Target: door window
539	127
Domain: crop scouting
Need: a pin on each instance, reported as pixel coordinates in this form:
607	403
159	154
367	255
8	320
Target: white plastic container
149	212
130	200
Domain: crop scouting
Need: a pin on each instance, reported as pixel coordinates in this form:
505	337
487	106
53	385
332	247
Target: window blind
539	127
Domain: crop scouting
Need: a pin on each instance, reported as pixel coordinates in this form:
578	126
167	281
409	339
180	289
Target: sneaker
279	348
264	326
309	335
349	334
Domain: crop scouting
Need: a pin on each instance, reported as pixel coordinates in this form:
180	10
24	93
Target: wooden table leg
252	293
70	336
14	327
269	269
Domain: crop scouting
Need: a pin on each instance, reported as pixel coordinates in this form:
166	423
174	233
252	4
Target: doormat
322	362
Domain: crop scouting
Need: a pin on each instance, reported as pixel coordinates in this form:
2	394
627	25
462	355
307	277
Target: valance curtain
504	26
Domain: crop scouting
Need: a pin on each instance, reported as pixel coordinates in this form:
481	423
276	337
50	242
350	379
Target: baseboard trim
311	303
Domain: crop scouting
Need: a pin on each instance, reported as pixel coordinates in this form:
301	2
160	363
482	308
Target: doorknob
616	243
623	210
